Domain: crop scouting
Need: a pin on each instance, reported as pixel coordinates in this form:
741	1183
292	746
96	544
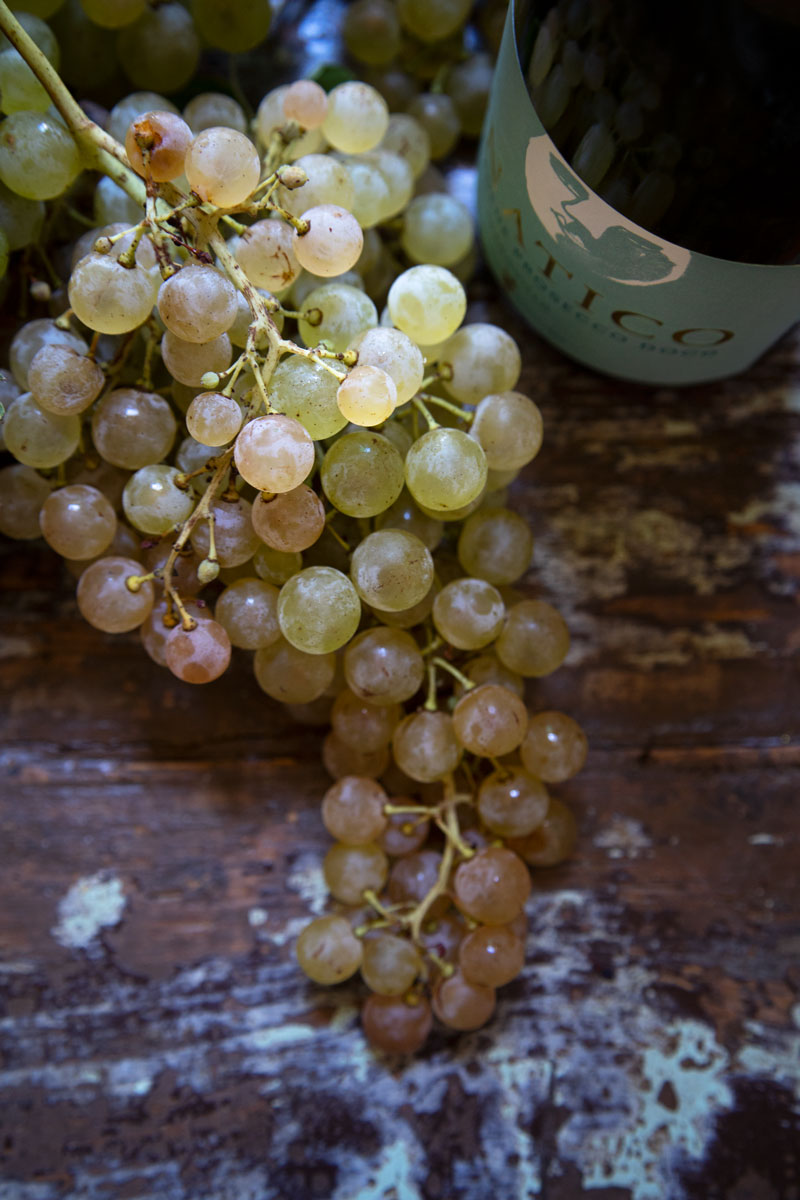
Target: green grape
152	500
362	474
306	391
38	438
428	303
534	640
445	469
161	49
20	90
113	14
318	610
437	228
276	566
328	951
38	158
509	428
340	313
432	20
292	676
232	25
496	545
356	119
20	219
392	570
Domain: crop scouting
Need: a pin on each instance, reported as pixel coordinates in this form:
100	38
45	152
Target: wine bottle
639	181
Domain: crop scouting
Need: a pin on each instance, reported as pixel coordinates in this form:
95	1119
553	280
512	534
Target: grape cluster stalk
258	421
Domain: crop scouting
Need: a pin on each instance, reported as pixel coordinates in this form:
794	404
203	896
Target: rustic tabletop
161	848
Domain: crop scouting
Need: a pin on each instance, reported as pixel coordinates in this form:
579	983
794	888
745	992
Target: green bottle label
606	291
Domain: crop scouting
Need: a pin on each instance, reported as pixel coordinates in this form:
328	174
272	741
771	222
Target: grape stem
200	512
420	406
452	408
465	682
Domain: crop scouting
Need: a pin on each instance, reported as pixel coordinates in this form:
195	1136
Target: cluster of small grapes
604	105
314	510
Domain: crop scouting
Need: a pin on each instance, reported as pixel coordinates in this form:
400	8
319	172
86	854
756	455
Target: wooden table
161	848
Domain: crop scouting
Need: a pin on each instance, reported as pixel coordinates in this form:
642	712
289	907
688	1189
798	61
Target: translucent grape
492	886
290	521
332	243
113	14
30	338
188	362
197	303
222	166
112	204
491	955
20	219
509	428
404	832
364	726
432	20
235	539
266	253
407	137
445	470
554	747
38	157
552	841
328	951
437	115
318	610
468	613
105	600
367	396
351	870
404	514
305	390
496	545
19	87
274	453
198	655
512	803
362	474
248	612
396	354
236	26
490	720
63	381
468	85
271	121
390	965
392	570
213	419
276	566
77	521
371	31
356	119
290	675
152	500
133	428
437	229
428	303
352	810
487	668
384	666
341	759
305	102
534	640
39	438
133	106
395	1024
328	183
22	494
371	192
156	145
483	359
108	297
425	746
339	313
214	108
160	49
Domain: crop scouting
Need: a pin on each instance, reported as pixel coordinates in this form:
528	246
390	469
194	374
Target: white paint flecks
93	903
257	917
765	839
622	837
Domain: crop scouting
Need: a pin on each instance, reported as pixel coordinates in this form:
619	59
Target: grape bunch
255	419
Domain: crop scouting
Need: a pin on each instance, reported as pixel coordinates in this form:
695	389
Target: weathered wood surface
161	847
